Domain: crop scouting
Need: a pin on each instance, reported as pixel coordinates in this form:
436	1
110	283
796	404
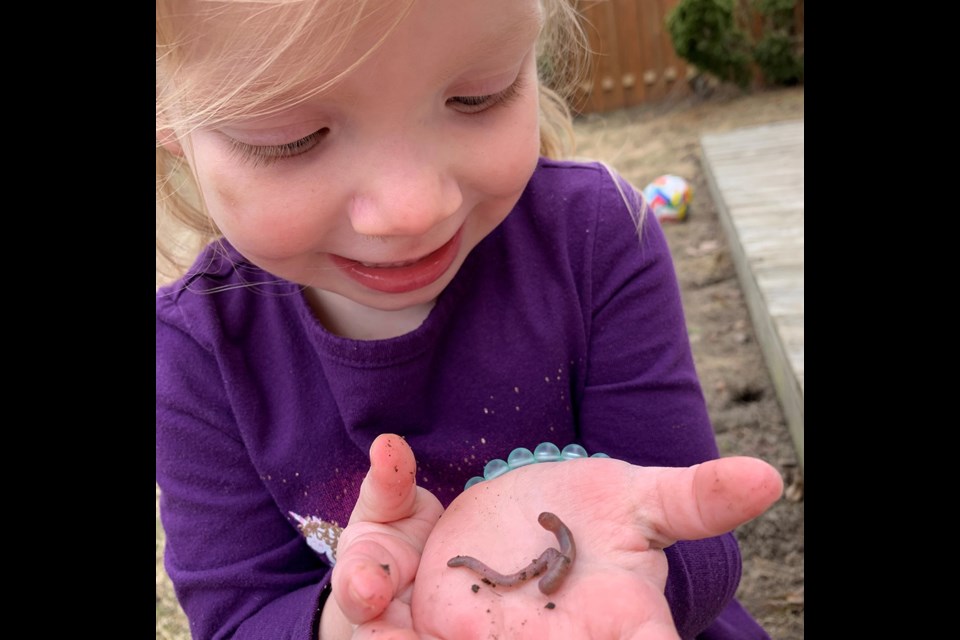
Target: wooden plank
591	99
756	178
766	213
649	33
770	212
607	86
674	68
629	53
634	60
753	152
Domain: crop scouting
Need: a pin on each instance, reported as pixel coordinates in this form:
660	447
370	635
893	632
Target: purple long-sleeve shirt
562	325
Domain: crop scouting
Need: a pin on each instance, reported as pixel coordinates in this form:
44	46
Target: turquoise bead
546	452
494	469
520	457
572	451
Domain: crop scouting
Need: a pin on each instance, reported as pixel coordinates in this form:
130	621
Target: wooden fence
633	57
633	60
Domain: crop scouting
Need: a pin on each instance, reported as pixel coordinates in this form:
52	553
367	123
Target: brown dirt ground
642	143
645	142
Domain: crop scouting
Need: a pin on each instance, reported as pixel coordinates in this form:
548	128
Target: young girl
389	250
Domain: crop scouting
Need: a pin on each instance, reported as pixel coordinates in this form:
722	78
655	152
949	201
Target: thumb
715	497
388	492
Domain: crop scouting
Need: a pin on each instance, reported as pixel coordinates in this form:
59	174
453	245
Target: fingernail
364	591
359	594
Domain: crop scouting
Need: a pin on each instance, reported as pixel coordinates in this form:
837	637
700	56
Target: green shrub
779	51
775	56
705	34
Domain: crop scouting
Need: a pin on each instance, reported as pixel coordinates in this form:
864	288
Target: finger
388	492
371	557
362	582
715	497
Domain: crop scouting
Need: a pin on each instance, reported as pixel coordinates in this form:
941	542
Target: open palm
621	516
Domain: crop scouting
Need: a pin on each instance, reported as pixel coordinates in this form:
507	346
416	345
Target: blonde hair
199	86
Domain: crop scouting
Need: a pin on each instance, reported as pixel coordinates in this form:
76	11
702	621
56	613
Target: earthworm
560	567
556	563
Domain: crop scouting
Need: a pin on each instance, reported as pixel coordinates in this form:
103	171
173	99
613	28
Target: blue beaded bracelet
521	457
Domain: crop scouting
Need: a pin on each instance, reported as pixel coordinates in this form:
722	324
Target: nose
404	195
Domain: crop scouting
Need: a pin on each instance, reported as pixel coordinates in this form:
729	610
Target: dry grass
171	623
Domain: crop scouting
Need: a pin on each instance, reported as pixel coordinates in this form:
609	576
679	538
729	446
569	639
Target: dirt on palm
643	143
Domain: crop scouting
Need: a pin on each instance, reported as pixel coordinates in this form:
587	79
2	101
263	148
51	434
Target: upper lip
400	262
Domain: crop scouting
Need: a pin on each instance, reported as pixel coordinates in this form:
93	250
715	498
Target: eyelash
263	155
478	104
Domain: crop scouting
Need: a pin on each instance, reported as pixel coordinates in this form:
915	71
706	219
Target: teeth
383	265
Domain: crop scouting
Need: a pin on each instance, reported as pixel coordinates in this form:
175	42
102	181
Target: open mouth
401	277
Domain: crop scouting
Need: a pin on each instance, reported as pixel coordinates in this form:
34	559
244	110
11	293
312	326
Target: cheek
505	159
264	217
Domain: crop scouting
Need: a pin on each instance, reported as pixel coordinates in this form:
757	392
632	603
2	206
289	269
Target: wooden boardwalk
756	179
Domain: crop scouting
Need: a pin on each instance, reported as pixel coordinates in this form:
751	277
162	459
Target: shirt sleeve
239	568
642	400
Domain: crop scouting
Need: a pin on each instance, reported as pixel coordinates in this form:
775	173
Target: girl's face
373	194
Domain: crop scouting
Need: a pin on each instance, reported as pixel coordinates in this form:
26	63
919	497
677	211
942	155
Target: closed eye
478	104
261	155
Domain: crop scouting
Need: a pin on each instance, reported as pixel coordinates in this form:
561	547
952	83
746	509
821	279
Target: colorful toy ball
668	197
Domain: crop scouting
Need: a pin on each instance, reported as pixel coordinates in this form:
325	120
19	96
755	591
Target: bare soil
643	143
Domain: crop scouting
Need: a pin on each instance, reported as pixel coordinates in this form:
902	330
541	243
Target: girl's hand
379	551
621	517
